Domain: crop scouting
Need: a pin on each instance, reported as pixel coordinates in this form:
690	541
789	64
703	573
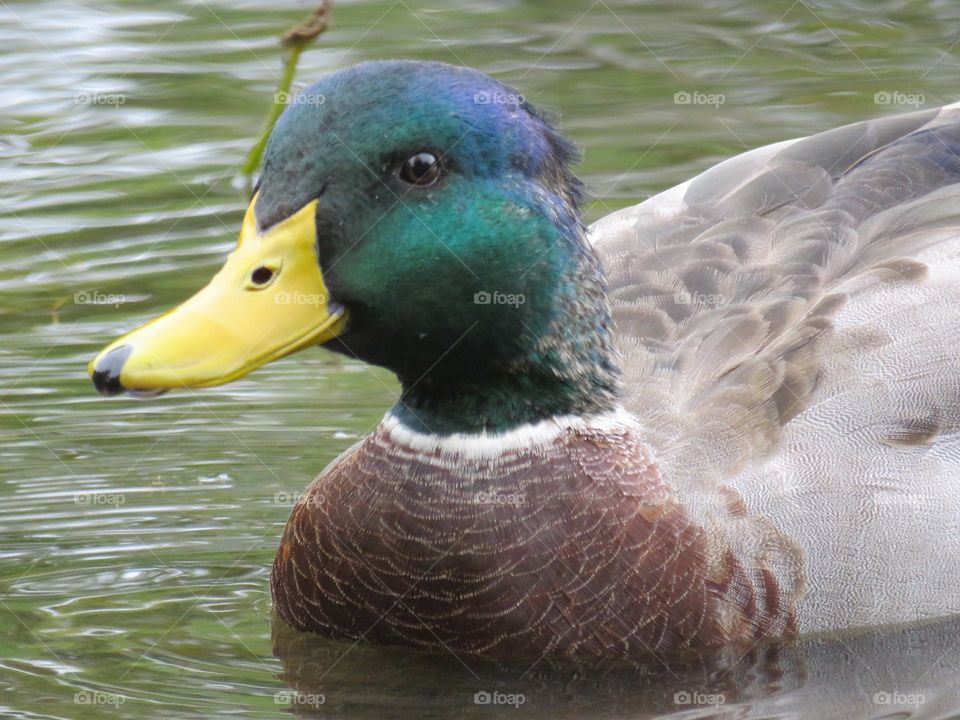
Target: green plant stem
283	91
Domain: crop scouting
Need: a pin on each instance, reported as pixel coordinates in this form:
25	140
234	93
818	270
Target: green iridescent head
449	244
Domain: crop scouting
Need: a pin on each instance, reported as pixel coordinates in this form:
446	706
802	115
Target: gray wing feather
788	323
723	289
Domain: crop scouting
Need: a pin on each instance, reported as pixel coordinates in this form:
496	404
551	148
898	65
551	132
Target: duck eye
261	275
424	168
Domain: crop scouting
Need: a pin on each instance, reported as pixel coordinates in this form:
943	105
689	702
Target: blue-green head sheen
469	277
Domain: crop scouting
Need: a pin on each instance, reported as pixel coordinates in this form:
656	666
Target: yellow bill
267	301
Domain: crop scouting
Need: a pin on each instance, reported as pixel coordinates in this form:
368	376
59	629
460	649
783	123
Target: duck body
727	414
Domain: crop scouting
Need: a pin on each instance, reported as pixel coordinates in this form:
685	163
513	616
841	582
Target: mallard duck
728	414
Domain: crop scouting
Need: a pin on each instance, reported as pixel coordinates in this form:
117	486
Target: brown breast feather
576	548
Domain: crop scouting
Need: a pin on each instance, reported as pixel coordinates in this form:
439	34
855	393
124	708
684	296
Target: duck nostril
106	373
261	275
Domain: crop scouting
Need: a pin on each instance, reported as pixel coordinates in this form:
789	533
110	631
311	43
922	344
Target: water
136	537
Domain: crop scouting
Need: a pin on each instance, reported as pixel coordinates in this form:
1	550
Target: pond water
136	537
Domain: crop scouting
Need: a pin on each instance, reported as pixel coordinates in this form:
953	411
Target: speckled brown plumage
576	548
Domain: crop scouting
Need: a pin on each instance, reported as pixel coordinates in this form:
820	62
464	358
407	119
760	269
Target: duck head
418	216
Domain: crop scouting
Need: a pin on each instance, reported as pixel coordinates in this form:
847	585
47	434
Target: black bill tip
106	373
